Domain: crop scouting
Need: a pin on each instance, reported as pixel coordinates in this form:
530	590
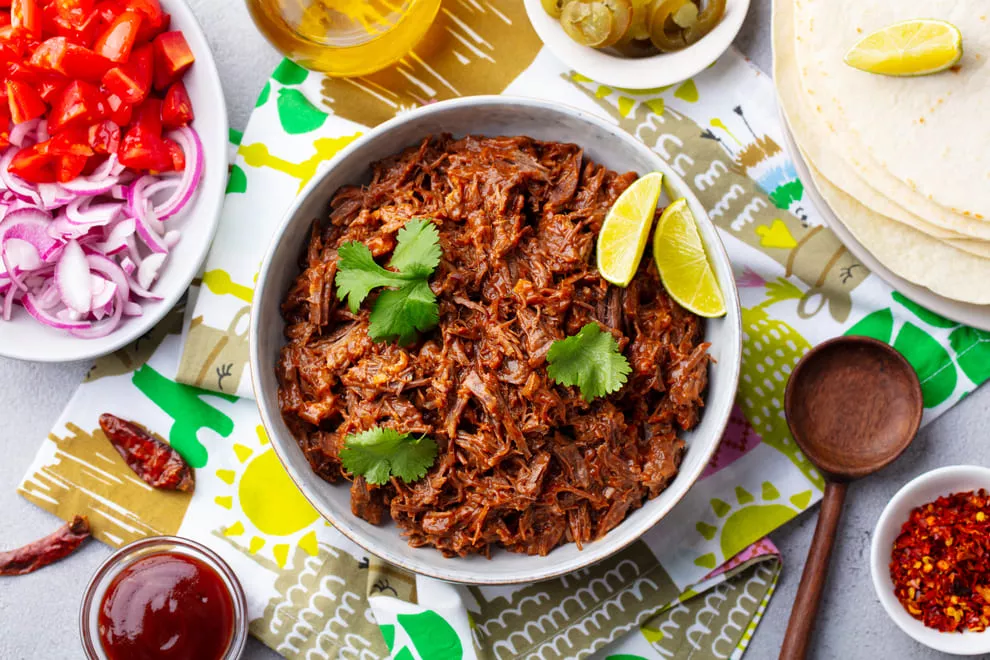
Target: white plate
602	142
977	316
23	338
644	72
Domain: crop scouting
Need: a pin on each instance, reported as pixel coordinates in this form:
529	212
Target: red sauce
167	606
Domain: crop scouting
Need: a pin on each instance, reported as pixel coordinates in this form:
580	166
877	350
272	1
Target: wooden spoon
853	405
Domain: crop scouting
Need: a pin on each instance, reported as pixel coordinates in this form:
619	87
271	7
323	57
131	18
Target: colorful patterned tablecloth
696	584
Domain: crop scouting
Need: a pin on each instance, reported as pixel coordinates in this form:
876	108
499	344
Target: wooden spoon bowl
853	405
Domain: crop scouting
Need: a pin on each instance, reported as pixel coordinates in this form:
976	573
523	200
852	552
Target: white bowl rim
90	349
966	643
638	73
717	253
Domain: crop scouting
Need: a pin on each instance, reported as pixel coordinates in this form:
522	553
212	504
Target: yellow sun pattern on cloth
270	503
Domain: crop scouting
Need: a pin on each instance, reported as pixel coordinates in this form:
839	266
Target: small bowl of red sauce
930	559
164	598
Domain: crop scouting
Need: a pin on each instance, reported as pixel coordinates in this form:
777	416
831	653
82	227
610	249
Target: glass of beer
344	37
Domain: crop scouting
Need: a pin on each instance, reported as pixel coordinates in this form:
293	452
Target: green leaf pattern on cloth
297	114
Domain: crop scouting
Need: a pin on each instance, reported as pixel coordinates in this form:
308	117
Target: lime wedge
626	229
683	264
910	48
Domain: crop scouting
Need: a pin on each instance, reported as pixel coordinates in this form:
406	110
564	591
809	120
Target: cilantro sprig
408	305
591	360
380	453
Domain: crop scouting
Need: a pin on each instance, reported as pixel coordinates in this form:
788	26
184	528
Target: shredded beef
523	463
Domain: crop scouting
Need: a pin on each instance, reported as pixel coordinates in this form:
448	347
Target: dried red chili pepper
940	564
150	458
37	554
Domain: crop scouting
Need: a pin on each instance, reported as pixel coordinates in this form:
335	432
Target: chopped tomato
120	112
177	110
25	103
79	104
17	38
173	58
104	137
109	10
80	30
131	81
142	150
69	59
34	164
70	142
50	86
25	14
118	40
69	166
148	117
177	154
72	9
155	20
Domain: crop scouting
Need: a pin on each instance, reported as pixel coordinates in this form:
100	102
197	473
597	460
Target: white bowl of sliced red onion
110	197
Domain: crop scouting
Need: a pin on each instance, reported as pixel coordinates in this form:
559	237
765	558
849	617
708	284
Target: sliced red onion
13	295
147	272
116	240
53	195
128	266
103	291
146	230
14	183
25	131
83	271
193	150
73	279
103	327
43	316
81	211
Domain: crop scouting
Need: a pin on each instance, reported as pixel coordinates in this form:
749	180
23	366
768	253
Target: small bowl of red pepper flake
930	559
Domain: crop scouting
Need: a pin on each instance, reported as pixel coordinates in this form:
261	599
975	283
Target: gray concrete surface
38	613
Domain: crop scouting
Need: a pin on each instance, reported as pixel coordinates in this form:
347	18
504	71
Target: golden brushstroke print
89	477
474	47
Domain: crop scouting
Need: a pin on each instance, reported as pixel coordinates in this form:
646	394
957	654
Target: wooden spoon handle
809	593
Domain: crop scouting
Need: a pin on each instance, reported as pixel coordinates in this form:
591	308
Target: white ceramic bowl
644	72
921	490
24	338
604	143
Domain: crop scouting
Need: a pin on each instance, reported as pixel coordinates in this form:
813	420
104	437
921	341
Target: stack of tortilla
904	163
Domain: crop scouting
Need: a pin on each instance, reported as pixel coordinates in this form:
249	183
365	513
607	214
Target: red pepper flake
150	458
940	564
57	545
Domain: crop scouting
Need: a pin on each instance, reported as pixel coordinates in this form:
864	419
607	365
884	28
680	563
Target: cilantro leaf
358	274
590	360
381	452
403	312
417	249
408	306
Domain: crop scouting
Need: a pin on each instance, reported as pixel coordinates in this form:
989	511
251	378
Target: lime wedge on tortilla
910	48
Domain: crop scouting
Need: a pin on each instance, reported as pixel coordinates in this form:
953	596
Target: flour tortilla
827	161
908	253
919	140
911	254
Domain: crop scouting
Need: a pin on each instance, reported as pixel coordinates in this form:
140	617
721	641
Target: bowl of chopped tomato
930	559
113	137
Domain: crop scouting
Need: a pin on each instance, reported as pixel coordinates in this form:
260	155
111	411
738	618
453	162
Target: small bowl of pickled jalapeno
637	44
